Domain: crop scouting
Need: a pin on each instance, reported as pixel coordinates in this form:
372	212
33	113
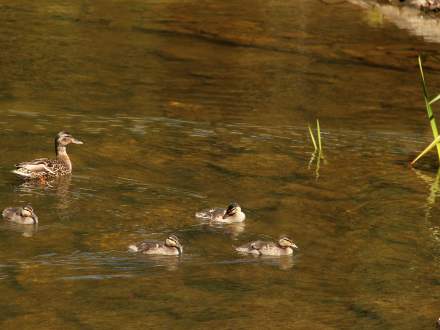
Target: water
188	105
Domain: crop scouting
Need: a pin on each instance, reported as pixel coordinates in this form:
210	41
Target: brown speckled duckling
22	215
284	246
170	247
231	214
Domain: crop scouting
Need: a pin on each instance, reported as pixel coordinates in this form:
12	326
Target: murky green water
184	105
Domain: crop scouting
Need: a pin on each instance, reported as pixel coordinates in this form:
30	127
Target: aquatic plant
317	153
428	104
313	138
318	147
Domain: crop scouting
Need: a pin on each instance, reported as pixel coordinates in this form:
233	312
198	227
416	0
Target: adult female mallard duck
43	168
284	246
171	247
22	215
231	214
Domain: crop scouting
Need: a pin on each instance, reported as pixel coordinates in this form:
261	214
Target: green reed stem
319	136
427	149
430	116
435	99
313	138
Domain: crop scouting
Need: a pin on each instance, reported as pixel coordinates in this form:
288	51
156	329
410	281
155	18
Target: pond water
184	105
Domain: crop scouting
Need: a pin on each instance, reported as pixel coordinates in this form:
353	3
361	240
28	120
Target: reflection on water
315	163
25	230
283	262
57	186
434	188
233	230
180	113
170	263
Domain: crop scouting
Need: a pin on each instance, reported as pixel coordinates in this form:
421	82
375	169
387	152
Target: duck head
173	241
64	138
286	242
28	212
232	209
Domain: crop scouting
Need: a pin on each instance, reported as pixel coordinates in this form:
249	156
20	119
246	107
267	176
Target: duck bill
180	249
77	141
35	218
294	246
227	214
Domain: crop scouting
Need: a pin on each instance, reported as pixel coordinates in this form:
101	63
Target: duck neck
282	247
286	249
62	156
238	216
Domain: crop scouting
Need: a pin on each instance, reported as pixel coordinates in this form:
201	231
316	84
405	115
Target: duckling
170	247
231	214
284	246
43	168
22	215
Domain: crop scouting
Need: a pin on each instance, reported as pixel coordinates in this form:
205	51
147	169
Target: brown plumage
22	215
43	168
171	246
284	246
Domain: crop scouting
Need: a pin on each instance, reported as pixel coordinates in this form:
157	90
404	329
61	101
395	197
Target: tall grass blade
313	138
422	75
427	149
319	136
317	154
429	111
435	99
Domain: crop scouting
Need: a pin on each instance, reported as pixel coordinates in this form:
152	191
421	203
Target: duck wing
252	247
210	214
258	245
10	212
36	167
143	246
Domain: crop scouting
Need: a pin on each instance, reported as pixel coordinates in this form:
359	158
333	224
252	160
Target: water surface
187	105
